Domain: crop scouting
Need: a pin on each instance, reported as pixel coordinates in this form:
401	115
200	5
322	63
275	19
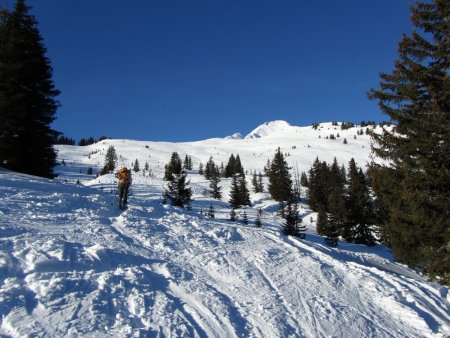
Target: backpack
123	175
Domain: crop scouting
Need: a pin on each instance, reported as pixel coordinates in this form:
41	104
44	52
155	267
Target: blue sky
189	70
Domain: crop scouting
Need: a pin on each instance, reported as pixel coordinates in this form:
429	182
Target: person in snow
124	176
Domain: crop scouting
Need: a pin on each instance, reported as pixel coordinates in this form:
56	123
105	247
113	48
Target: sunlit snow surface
72	264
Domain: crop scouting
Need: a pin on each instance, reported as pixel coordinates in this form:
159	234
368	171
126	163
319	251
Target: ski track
72	265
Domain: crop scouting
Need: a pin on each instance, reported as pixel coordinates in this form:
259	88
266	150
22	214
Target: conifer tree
304	180
245	218
174	167
415	187
234	201
211	211
136	166
322	221
27	96
292	220
260	183
280	183
200	169
146	167
178	190
216	190
230	167
244	195
233	215
110	161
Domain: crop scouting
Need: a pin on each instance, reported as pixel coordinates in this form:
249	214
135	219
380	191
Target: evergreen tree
187	164
27	96
216	190
322	221
211	211
292	220
336	197
245	218
244	195
280	183
136	166
235	201
200	169
332	233
178	191
174	167
233	215
360	219
260	183
110	161
230	167
317	191
255	183
211	170
304	180
415	187
146	167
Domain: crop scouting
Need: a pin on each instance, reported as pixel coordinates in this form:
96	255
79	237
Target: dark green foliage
216	190
292	220
211	211
174	167
200	168
245	217
360	216
86	141
27	96
233	215
317	185
110	161
257	183
304	179
234	166
136	166
239	194
65	140
211	170
187	164
280	183
347	125
322	221
331	232
178	191
415	188
146	167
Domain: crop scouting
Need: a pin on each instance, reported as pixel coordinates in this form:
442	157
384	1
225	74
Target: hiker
124	176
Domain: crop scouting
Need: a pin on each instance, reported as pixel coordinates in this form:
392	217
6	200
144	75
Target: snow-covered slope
73	265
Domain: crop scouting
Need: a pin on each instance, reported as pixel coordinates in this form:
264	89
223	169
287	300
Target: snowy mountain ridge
72	264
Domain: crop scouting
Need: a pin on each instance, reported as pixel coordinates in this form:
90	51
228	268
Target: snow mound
268	128
236	136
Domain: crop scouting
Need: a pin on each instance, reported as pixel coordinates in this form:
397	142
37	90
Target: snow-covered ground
72	264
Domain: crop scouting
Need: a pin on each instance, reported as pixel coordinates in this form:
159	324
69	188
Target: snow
72	264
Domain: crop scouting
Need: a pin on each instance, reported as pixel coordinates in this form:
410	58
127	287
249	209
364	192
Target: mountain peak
268	128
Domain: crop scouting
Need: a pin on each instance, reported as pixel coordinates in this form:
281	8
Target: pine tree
245	218
211	170
304	180
187	164
292	220
280	183
211	211
244	195
260	183
146	167
336	196
322	221
174	167
200	169
360	218
230	167
234	201
110	161
416	186
255	183
233	215
27	96
178	190
136	166
216	190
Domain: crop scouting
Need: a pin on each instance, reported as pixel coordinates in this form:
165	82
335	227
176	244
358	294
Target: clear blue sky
193	69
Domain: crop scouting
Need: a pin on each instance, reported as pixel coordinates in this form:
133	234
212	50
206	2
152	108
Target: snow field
72	264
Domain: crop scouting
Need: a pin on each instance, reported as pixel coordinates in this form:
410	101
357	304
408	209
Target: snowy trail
72	265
